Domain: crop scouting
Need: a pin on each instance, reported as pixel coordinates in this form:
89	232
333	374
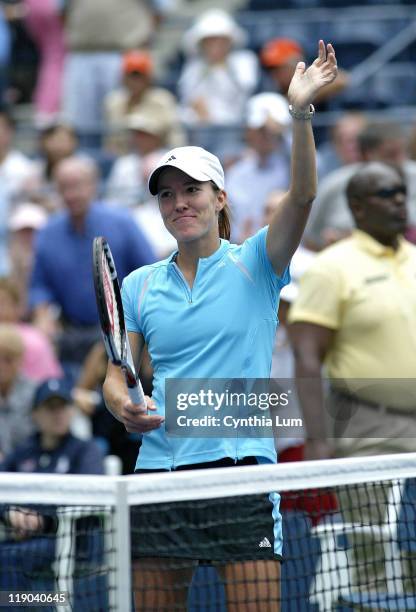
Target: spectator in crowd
15	167
62	274
342	148
16	391
39	360
138	94
98	32
218	77
26	219
265	165
331	218
44	22
365	326
51	449
356	313
57	141
127	183
280	56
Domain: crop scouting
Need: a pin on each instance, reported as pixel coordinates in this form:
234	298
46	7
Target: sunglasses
389	192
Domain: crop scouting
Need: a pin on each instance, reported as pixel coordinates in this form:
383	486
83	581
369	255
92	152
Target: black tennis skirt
220	530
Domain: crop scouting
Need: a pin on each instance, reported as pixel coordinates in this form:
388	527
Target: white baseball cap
27	216
266	107
196	162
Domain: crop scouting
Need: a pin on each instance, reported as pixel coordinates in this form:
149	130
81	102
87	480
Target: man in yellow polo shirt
355	319
356	316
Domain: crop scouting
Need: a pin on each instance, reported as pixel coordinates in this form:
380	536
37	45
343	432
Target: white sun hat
214	22
265	107
198	163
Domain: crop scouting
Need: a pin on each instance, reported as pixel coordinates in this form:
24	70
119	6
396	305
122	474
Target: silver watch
302	114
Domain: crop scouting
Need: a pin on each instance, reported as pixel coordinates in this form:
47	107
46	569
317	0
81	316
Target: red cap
279	51
137	61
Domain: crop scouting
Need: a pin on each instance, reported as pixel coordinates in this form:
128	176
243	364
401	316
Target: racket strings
112	306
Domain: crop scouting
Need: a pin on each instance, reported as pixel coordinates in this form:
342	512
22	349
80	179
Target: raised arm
289	220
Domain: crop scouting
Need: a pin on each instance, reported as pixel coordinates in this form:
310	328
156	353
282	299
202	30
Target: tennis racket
110	310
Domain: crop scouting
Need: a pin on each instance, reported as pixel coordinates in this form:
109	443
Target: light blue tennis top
224	327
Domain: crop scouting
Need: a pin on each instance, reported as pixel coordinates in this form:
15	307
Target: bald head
362	182
377	198
77	165
76	182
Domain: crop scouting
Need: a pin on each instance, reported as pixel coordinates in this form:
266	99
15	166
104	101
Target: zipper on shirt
188	291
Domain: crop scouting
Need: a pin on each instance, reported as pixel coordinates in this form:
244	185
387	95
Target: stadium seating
395	84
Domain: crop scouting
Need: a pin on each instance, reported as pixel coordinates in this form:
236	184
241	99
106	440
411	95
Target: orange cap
279	51
137	61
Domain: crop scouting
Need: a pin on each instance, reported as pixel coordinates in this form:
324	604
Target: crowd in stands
101	119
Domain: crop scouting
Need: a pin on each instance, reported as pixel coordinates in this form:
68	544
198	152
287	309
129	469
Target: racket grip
136	394
137	397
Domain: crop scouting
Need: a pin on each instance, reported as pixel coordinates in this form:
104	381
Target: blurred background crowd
92	92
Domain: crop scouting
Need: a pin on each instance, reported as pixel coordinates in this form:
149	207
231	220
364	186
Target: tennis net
123	543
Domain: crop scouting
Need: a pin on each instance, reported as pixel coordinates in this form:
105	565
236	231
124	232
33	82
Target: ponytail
224	217
224	224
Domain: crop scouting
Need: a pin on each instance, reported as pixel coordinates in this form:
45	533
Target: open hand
306	82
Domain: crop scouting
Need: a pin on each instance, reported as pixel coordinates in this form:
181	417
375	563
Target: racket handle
136	394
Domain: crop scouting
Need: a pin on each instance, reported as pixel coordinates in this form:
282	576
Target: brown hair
224	224
224	217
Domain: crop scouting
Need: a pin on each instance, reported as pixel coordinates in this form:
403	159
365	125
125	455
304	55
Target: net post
122	548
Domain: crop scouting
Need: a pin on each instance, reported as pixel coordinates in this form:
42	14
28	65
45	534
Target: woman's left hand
306	82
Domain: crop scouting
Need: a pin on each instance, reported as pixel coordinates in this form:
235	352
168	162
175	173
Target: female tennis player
209	311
